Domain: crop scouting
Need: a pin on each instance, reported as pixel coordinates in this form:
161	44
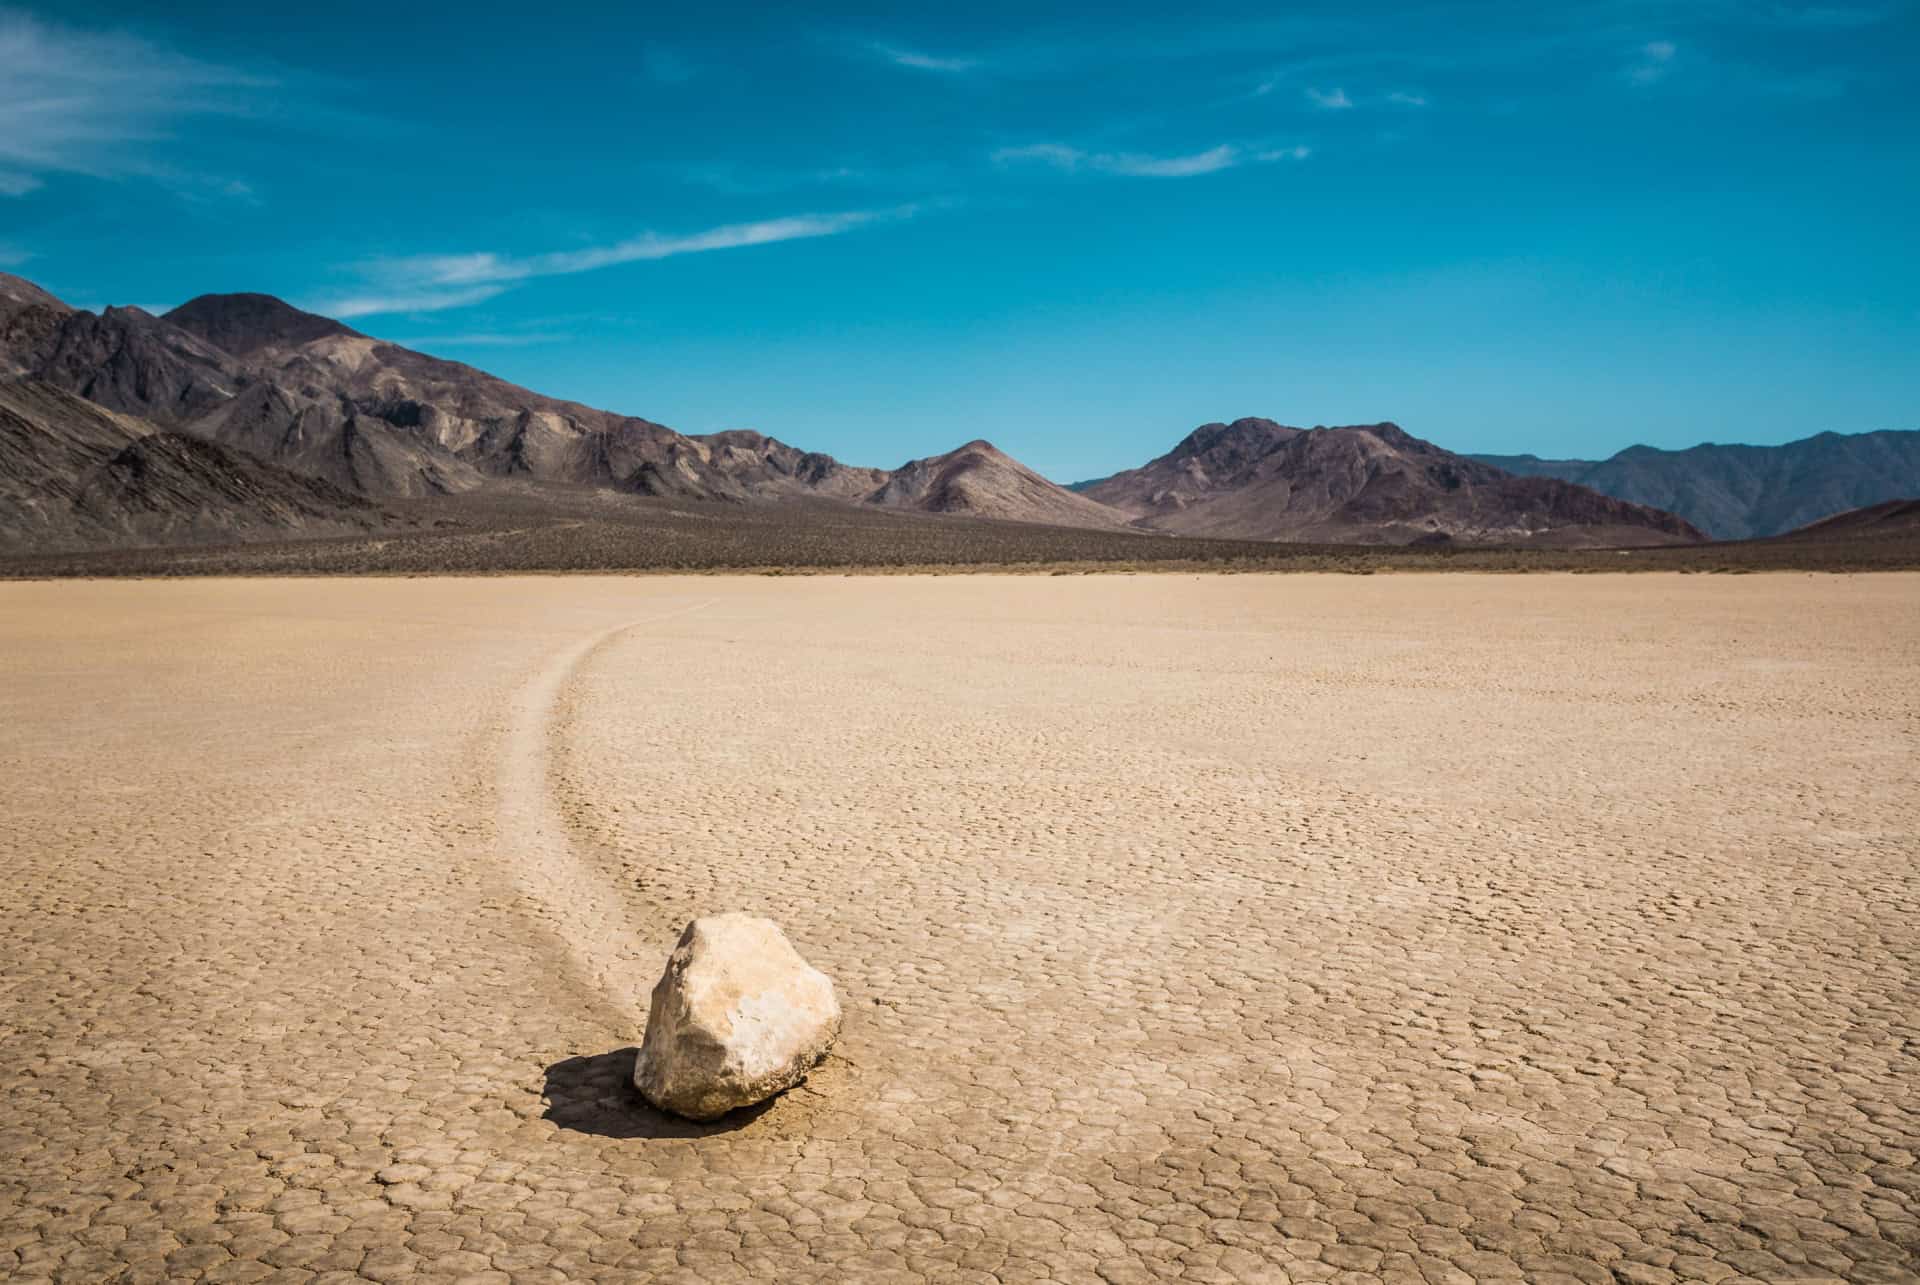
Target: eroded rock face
737	1017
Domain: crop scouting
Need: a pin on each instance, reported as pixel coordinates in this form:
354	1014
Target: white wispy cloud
487	267
1221	157
98	103
1332	100
1654	61
1132	164
12	256
922	62
1406	98
1055	154
373	303
1142	165
436	282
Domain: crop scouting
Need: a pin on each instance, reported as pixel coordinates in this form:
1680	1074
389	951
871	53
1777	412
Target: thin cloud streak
1332	100
923	62
487	267
1137	165
437	282
1207	162
373	305
93	103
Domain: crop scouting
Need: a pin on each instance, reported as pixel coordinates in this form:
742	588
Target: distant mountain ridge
1739	492
1369	483
320	400
310	398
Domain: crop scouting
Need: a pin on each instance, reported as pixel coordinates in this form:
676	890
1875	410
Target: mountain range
1740	492
1370	483
240	417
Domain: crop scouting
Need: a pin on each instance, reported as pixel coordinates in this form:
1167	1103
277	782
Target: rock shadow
595	1095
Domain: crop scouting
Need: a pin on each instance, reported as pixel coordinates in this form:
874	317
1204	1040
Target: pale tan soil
1245	928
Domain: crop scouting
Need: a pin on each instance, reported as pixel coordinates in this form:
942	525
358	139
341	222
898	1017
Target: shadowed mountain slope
170	488
1374	483
1736	492
1888	520
130	361
1534	466
76	475
51	441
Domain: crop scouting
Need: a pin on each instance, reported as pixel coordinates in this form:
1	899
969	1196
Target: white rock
737	1017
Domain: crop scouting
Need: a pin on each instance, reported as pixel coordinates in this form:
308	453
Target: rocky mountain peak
18	294
244	324
1249	435
1257	479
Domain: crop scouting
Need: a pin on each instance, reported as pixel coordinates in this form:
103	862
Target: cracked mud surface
1418	929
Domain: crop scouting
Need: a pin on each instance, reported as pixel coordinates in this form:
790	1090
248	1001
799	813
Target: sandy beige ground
1243	928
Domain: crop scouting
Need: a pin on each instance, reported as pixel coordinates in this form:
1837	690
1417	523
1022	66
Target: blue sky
1078	231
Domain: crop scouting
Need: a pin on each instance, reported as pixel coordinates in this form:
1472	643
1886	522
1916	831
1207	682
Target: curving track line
578	903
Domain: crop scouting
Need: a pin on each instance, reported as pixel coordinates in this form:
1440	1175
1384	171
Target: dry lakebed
1405	928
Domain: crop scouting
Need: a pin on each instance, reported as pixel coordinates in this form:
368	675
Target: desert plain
1409	928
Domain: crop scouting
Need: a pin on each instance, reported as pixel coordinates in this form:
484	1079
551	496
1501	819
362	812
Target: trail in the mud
579	903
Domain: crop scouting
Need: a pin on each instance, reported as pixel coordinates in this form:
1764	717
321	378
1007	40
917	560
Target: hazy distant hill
1735	492
1373	483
